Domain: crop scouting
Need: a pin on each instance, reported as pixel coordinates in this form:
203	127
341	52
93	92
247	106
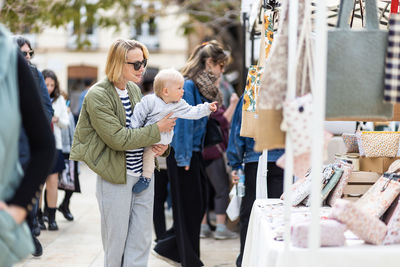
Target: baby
167	98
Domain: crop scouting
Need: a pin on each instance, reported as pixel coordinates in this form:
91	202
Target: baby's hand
213	106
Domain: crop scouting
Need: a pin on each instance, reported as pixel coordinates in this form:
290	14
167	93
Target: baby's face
175	91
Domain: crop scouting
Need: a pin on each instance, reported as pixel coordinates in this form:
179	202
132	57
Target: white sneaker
205	231
167	260
225	234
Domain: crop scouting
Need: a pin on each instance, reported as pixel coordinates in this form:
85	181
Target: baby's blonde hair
164	78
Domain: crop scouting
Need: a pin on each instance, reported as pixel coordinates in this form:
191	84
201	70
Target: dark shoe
45	215
52	219
141	184
53	226
166	259
66	212
36	230
40	220
38	247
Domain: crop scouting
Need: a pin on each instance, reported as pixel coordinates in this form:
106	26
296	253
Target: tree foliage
207	19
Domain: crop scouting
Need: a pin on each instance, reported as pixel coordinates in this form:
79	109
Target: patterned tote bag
274	81
249	112
392	67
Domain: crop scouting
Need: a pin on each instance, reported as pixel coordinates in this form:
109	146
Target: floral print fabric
367	227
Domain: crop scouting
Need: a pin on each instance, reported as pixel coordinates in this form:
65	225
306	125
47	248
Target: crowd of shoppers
120	135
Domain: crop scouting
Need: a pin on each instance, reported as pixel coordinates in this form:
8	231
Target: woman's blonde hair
117	57
197	60
164	78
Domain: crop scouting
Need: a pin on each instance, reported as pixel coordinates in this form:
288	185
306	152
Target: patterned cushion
366	226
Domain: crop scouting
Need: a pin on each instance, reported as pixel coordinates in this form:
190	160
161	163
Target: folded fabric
300	190
337	192
329	176
393	233
334	179
332	233
380	196
364	225
350	141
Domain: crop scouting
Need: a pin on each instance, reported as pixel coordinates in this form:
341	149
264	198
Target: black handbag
213	133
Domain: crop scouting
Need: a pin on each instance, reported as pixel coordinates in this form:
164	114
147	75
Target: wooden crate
359	183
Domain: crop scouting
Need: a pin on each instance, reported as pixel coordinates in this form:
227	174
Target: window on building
144	26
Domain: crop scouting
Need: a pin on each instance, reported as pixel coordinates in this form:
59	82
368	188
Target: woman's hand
235	177
166	124
187	168
17	213
55	119
234	99
159	149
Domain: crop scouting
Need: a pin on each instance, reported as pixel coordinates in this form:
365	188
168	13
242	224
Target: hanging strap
345	8
394	9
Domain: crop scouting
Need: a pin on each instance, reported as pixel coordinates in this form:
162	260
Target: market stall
314	89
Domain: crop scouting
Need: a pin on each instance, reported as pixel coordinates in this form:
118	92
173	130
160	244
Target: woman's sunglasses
138	64
31	53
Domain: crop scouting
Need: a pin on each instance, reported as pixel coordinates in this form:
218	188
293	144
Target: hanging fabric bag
355	68
249	112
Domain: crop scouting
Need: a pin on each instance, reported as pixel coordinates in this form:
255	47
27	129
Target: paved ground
78	243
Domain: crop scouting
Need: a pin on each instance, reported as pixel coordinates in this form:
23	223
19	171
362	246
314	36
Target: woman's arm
231	109
109	128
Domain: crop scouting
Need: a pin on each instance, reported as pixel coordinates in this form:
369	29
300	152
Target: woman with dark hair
59	120
185	163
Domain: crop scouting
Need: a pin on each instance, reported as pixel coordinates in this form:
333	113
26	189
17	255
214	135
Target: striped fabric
392	70
134	158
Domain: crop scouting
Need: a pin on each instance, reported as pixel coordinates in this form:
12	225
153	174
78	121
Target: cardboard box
379	165
363	177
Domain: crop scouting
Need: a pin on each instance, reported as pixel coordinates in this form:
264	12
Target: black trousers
160	196
182	242
275	190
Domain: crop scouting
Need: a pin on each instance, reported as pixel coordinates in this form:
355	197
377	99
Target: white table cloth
262	250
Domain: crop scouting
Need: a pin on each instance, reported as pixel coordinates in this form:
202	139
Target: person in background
71	171
24	153
105	141
240	151
217	174
185	163
87	83
60	120
24	105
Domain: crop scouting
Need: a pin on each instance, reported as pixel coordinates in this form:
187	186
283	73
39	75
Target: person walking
105	141
185	164
241	151
69	178
60	121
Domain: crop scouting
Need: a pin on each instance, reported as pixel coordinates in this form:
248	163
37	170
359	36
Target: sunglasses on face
138	64
31	53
